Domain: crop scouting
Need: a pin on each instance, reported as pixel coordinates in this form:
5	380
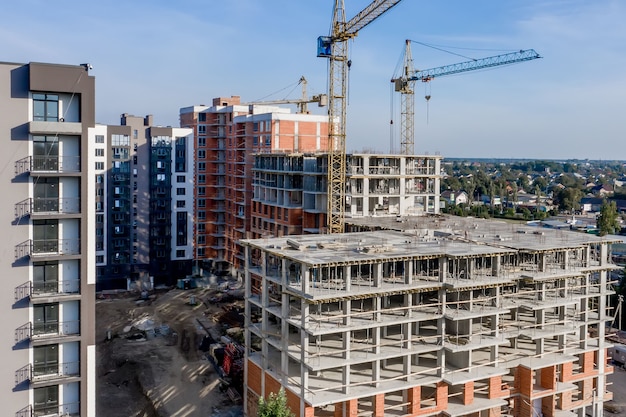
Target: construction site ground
152	358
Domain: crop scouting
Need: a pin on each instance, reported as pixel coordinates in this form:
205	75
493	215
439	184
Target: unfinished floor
455	317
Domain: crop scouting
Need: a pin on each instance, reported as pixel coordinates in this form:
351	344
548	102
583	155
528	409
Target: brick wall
254	378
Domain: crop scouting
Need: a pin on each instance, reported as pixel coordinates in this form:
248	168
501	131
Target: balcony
43	206
67	409
43	248
48	289
47	372
46	164
55	128
46	331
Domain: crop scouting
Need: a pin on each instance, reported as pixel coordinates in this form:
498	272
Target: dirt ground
148	359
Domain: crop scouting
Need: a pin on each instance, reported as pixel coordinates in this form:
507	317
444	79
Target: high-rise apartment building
144	178
452	316
48	270
228	133
290	189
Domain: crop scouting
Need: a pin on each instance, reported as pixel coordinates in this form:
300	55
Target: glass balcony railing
56	328
48	163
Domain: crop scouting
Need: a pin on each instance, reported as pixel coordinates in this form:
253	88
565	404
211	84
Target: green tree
608	220
275	406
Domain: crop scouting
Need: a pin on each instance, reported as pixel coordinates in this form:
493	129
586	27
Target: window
100	165
268	140
201	166
99	259
202	117
46	400
134	172
201	190
180	178
201	154
201	215
180	203
120	140
202	129
99	218
201	240
99	178
135	134
45	277
180	253
160	177
201	203
255	126
201	227
255	140
99	138
135	199
46	107
180	191
134	159
201	141
200	251
46	318
135	185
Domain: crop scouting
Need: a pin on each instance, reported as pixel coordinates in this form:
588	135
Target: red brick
468	393
379	405
414	398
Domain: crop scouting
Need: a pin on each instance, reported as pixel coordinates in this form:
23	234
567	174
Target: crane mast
405	84
335	47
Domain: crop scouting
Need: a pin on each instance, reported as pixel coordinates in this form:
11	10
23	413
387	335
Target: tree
608	221
275	406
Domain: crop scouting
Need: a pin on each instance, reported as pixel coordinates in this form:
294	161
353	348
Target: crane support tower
335	47
405	84
302	103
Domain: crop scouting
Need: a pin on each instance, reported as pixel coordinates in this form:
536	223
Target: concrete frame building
290	191
453	316
48	267
228	134
144	192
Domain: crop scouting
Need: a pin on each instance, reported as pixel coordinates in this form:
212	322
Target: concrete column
347	277
376	365
264	314
304	335
542	262
345	379
495	331
540	343
496	263
443	269
378	274
305	278
347	307
408	272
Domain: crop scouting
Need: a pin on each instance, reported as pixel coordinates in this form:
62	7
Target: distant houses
454	198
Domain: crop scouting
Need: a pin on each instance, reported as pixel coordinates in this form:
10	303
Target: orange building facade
228	134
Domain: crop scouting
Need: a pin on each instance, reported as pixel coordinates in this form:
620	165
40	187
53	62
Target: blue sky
153	57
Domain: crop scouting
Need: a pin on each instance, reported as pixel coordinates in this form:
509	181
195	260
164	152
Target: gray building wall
18	303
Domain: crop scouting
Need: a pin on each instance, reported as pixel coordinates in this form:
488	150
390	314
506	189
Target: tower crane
335	47
405	83
302	103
